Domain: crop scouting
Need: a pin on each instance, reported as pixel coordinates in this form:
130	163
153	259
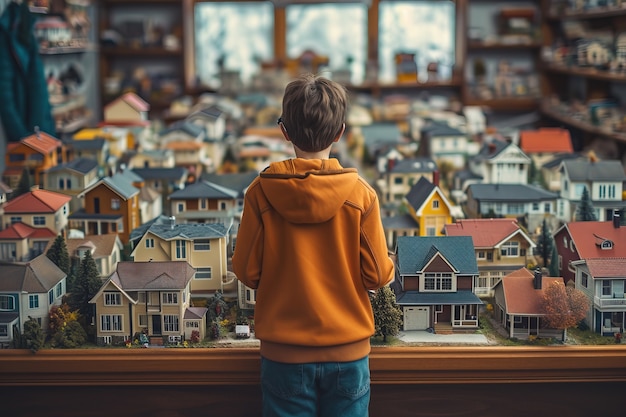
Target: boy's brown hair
314	111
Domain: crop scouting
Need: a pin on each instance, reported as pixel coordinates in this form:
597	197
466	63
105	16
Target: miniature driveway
452	339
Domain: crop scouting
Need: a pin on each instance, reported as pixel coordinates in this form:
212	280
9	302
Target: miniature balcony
406	382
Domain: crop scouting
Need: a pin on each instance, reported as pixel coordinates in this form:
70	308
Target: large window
232	36
170	323
438	282
336	31
111	322
7	303
426	29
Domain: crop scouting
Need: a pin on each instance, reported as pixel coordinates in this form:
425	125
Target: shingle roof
132	100
183	126
36	276
440	129
37	201
188	230
414	165
195	313
21	231
203	189
585	170
491	149
172	174
41	142
80	165
166	275
419	192
413	252
520	294
584	236
405	221
509	192
546	139
103	244
485	233
121	185
607	268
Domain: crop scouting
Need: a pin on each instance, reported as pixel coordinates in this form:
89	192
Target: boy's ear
343	129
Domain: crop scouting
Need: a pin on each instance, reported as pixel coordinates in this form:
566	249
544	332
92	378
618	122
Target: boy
311	242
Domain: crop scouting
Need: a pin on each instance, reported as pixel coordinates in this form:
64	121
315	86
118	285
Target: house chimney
538	278
436	178
391	163
172	222
616	218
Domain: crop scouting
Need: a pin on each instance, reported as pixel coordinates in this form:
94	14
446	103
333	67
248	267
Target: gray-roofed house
144	297
401	175
96	149
238	182
434	284
378	137
501	162
444	143
151	158
164	181
71	178
530	203
551	169
604	180
28	289
204	246
212	119
205	202
110	206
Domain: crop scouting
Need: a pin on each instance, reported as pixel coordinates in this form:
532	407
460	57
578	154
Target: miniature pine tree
33	337
387	314
554	262
585	211
59	255
544	243
87	284
25	184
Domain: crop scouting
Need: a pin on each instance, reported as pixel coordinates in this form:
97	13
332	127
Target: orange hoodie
311	242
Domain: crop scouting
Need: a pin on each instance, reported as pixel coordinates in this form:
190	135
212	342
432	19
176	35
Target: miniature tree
387	314
59	255
58	317
217	307
585	211
33	337
563	307
87	284
544	243
554	262
72	335
25	184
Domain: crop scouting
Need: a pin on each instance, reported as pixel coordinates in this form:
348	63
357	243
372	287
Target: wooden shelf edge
586	127
600	13
584	72
479	46
236	366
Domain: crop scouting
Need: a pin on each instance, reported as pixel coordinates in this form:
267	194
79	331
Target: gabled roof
166	275
585	170
238	181
421	193
210	112
546	140
586	234
96	144
203	189
557	160
487	233
405	221
188	231
118	183
411	165
195	313
133	100
171	174
19	231
79	165
183	126
40	142
520	295
103	245
607	267
509	192
414	253
37	201
37	276
492	149
435	128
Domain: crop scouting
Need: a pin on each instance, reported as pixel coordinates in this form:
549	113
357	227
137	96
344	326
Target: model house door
416	318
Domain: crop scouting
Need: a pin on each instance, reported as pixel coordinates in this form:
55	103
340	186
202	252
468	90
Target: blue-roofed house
434	284
71	178
203	246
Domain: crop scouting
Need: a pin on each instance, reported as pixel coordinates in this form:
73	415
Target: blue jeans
328	389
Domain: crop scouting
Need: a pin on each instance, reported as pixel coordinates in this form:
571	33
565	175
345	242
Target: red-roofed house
37	153
593	255
517	305
501	246
20	242
38	208
542	144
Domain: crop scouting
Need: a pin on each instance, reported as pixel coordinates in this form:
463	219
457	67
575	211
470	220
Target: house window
398	180
584	279
565	241
59	289
481	255
61	184
149	242
180	207
181	249
489	256
115	204
250	296
202	244
435	204
203	273
170	298
68	183
431	231
33	301
203	204
223	206
16	219
7	302
17	157
438	281
560	262
170	323
51	296
546	207
120	226
112	299
192	325
39	220
39	247
111	322
510	249
606	287
143	320
535	206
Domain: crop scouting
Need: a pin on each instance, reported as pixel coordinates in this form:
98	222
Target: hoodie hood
307	191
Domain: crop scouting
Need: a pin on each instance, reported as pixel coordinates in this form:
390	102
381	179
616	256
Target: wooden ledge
236	366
